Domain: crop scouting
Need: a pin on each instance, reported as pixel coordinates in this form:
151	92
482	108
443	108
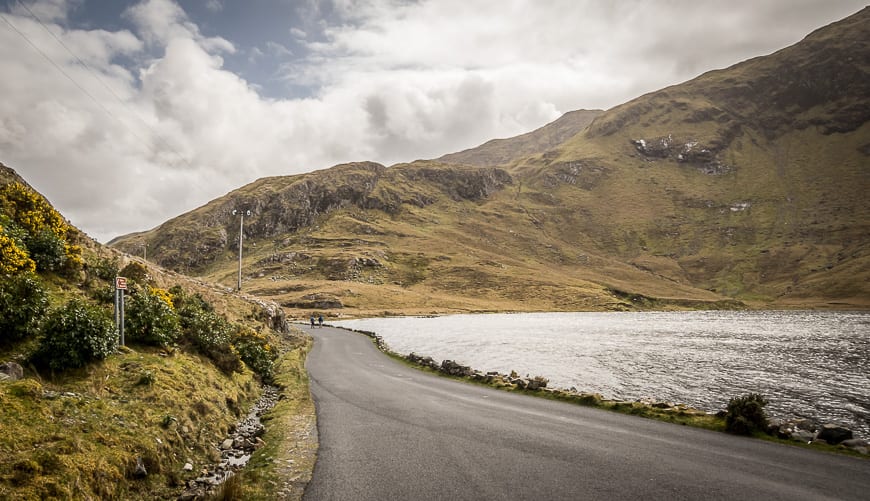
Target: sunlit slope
747	183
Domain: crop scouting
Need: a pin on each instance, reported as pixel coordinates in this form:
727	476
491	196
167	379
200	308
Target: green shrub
47	250
136	273
74	335
23	303
746	414
151	319
255	351
207	332
105	269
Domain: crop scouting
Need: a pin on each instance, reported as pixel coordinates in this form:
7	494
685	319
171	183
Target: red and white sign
121	283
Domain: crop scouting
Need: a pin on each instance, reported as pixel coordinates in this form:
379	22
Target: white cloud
161	21
392	81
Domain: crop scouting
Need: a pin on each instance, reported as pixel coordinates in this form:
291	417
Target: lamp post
241	233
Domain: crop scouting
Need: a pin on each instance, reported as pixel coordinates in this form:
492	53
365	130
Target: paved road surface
388	432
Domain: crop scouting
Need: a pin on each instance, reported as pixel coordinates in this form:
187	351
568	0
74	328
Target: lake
808	364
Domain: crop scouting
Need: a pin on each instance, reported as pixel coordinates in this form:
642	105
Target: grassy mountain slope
506	151
747	183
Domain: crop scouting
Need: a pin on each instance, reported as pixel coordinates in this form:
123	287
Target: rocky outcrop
462	183
316	301
684	151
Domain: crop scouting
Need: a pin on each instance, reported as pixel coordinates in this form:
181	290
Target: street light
241	233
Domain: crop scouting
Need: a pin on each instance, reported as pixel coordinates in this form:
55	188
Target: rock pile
809	431
235	450
453	368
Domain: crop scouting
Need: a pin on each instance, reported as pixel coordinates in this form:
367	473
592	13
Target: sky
125	114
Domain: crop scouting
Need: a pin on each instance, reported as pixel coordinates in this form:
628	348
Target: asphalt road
388	432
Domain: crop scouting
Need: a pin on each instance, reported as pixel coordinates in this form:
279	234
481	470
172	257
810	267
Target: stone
227	444
834	434
140	471
802	435
857	444
454	369
11	371
187	467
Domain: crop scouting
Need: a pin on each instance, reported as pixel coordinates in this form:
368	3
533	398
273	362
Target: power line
96	76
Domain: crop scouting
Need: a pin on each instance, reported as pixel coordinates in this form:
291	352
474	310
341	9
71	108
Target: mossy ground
80	435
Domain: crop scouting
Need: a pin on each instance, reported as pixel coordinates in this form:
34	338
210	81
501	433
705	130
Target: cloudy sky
127	113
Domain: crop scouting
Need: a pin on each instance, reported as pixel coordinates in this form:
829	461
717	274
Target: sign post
120	287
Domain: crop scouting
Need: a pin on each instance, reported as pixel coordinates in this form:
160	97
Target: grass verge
282	468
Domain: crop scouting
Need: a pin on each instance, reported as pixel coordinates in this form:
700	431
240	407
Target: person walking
312	321
320	321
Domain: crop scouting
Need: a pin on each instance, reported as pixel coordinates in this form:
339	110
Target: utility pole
241	234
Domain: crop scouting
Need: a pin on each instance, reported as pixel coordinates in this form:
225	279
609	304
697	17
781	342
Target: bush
13	253
23	303
105	269
74	335
42	229
151	319
746	414
207	332
47	250
255	351
136	273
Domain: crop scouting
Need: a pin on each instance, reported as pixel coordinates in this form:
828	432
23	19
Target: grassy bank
119	429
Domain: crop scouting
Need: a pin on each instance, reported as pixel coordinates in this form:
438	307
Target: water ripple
807	364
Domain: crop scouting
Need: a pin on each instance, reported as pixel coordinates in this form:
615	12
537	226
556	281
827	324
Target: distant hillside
506	151
746	184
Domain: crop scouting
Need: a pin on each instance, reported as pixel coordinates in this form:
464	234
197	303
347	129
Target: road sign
121	283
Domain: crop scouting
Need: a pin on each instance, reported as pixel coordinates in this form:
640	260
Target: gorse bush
23	303
31	226
74	335
13	253
150	318
745	414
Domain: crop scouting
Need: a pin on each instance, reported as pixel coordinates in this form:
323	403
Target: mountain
745	185
506	151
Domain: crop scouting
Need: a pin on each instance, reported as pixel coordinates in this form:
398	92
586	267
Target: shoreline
798	432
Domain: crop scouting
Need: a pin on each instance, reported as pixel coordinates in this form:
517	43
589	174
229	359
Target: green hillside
744	186
85	418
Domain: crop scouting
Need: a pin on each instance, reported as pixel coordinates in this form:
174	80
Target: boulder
454	369
857	444
11	371
802	435
834	434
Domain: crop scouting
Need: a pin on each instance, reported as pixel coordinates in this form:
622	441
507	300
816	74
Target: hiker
312	321
320	321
